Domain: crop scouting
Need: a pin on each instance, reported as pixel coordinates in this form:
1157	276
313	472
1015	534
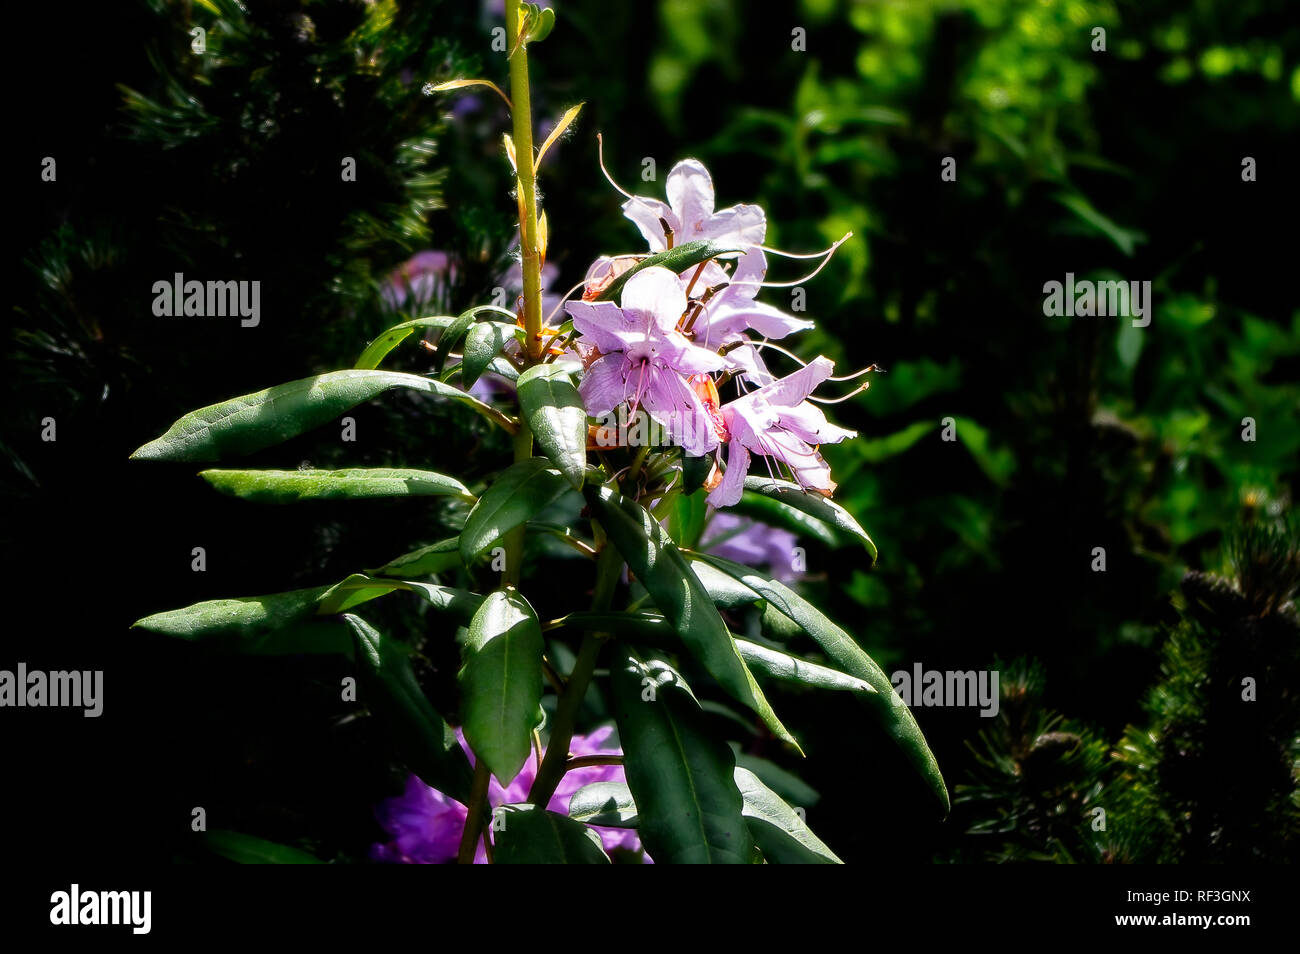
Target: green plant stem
554	765
530	253
474	820
514	540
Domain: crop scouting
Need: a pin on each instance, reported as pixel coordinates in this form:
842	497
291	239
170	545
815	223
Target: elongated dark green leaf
555	412
355	590
724	590
419	735
390	339
677	259
884	703
783	836
356	483
666	575
520	492
278	624
528	835
249	850
777	514
450	336
483	342
650	628
689	810
607	804
254	421
778	665
435	558
813	504
501	682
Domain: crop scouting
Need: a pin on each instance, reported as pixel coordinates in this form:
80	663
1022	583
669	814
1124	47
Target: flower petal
729	490
690	193
807	422
794	388
645	215
604	384
654	296
670	401
744	225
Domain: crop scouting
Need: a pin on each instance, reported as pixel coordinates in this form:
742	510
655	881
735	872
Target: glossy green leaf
779	665
678	593
419	735
501	682
450	337
813	505
554	410
545	24
249	850
483	342
251	422
355	590
529	835
520	492
390	339
607	804
278	624
689	810
884	703
435	558
686	519
356	483
676	259
781	834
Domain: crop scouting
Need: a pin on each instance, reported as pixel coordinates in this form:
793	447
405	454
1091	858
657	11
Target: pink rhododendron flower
638	355
690	212
778	421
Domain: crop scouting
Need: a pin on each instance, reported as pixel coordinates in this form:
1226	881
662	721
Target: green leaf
884	703
390	339
676	260
251	422
533	836
248	850
545	24
783	836
820	508
355	590
289	486
501	682
1126	240
689	810
554	410
483	342
278	624
419	735
520	492
678	593
435	558
778	665
607	804
450	337
687	517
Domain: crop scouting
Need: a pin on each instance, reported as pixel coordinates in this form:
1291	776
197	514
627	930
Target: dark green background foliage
1121	689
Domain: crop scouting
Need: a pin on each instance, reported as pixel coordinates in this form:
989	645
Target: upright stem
554	764
527	184
474	820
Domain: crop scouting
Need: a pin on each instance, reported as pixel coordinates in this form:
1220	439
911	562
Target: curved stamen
825	257
857	374
764	343
600	155
840	400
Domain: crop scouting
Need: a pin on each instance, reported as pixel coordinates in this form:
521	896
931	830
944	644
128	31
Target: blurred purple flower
418	281
426	826
754	544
